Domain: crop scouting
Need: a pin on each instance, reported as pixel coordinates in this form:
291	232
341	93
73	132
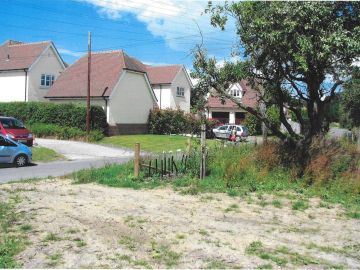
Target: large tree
298	54
350	101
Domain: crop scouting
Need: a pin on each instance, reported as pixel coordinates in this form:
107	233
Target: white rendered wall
181	102
131	100
163	95
12	86
49	64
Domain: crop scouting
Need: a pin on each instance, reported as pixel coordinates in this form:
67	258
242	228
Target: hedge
169	121
41	130
69	115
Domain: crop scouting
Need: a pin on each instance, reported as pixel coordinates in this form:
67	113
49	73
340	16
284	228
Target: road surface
79	156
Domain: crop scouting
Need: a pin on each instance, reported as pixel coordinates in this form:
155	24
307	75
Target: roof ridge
110	51
31	43
173	65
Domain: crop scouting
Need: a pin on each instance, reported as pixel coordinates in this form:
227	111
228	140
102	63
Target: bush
64	133
171	121
253	124
64	115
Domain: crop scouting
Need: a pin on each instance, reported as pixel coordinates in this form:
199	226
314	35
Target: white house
27	70
172	86
119	84
227	111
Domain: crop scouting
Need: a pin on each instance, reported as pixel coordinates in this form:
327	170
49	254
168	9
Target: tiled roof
106	69
17	55
162	74
249	99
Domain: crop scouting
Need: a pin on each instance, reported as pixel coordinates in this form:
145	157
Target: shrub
253	124
66	115
65	133
169	121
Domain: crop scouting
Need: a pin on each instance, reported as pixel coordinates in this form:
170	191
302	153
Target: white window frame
46	80
236	93
180	91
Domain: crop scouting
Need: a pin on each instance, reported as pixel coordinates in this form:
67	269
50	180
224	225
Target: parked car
14	152
15	130
224	131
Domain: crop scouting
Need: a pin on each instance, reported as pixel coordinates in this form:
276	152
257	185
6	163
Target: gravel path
80	150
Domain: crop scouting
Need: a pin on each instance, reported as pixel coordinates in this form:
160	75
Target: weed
355	215
128	242
54	259
10	244
26	227
265	266
300	205
180	236
216	264
232	207
277	203
327	205
203	232
72	231
79	242
163	254
124	258
142	263
52	237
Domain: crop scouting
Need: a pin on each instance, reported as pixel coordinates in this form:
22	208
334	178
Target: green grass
232	170
42	154
148	142
152	143
11	241
300	205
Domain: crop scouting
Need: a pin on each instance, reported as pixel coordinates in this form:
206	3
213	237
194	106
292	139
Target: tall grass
240	170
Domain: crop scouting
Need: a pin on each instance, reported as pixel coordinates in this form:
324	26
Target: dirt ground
93	226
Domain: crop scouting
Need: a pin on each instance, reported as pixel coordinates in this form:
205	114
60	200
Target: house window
47	80
235	93
180	92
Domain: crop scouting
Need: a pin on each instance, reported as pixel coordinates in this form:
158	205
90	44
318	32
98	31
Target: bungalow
27	70
119	84
228	111
172	86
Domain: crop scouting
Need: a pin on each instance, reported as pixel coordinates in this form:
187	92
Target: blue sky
155	32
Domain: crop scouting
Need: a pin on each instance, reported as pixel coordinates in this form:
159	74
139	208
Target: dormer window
236	93
47	80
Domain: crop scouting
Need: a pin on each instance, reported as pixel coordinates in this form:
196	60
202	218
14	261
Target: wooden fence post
203	152
188	147
137	160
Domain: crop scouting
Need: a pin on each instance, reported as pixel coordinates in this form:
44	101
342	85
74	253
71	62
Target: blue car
12	152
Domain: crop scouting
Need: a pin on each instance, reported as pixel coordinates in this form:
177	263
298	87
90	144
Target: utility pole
88	87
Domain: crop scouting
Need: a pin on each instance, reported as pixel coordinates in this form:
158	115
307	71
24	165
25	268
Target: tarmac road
79	156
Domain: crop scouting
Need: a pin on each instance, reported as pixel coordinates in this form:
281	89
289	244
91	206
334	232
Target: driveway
79	156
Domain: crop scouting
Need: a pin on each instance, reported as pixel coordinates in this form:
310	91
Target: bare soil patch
93	226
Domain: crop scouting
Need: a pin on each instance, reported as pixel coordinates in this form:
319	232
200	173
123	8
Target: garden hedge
67	115
169	121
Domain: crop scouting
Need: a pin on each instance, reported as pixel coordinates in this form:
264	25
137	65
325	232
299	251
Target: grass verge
42	154
237	171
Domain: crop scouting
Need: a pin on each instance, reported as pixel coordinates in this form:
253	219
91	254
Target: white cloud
173	20
70	53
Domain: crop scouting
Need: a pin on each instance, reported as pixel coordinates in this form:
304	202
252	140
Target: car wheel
21	161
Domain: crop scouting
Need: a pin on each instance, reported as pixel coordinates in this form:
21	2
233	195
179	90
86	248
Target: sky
157	32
